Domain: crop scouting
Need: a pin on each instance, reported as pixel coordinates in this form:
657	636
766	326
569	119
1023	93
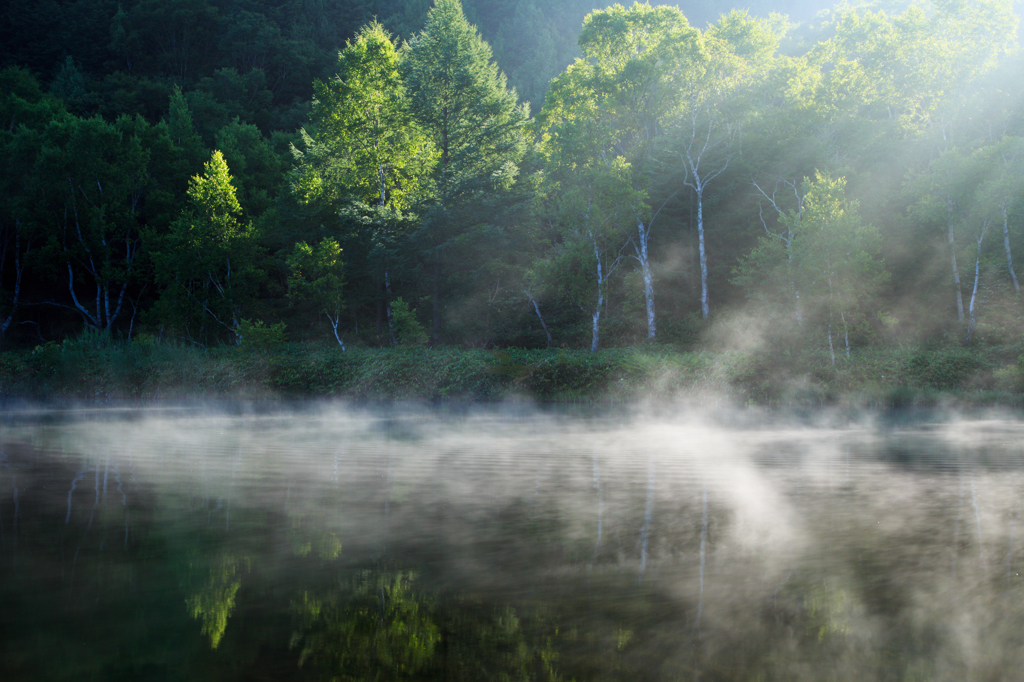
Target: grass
97	369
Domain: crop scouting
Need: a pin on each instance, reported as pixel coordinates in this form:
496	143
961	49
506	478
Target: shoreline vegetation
95	369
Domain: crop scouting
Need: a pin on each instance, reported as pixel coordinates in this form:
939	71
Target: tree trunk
645	269
435	323
956	271
971	322
536	309
596	315
1006	246
704	308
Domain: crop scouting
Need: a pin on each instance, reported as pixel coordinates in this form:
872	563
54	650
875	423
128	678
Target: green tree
25	110
826	254
90	180
461	100
640	57
214	598
380	628
366	150
208	263
318	275
737	51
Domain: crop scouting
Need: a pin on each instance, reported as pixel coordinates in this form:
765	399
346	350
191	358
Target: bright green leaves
378	628
209	263
214	600
214	205
366	146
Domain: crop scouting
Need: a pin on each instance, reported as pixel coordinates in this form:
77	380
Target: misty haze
507	544
511	340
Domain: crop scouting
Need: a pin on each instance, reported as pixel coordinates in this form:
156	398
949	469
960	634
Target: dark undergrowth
97	369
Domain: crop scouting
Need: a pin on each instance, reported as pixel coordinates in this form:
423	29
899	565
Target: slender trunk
335	321
387	307
645	530
596	315
703	547
831	349
971	322
1006	245
956	271
704	308
600	505
645	268
435	323
536	309
846	332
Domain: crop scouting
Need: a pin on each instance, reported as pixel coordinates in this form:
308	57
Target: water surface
403	544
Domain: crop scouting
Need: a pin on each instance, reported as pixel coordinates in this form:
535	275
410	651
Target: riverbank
93	369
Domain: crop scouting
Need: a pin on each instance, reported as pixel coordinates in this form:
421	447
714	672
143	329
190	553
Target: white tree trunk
971	322
596	314
536	309
1006	246
645	269
704	307
335	320
956	271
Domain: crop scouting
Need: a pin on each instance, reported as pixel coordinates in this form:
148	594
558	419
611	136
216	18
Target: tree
462	102
90	181
380	627
736	50
208	263
367	150
640	55
24	110
317	274
594	210
826	253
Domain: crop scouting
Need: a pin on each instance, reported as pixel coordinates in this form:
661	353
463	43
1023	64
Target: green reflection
215	600
378	628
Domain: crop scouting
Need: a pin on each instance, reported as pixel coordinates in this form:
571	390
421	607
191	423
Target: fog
692	545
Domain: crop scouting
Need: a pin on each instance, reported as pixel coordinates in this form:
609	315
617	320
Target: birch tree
595	214
366	149
640	56
207	264
736	50
827	254
90	179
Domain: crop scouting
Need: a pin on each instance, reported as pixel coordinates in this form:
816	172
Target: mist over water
407	544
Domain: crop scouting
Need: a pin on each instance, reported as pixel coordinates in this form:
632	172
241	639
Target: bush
944	369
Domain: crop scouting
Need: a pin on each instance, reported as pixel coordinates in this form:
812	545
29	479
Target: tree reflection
379	629
215	600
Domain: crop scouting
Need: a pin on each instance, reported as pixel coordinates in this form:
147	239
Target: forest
511	174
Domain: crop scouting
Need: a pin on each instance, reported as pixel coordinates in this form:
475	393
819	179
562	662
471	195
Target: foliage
208	263
678	151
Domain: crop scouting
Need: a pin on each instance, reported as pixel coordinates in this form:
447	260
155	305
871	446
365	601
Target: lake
339	543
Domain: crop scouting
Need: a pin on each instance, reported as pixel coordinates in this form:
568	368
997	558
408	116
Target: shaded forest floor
94	370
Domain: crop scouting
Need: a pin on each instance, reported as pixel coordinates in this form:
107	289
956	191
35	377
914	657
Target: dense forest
510	173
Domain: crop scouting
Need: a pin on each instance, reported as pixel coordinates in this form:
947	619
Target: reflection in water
214	600
366	546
